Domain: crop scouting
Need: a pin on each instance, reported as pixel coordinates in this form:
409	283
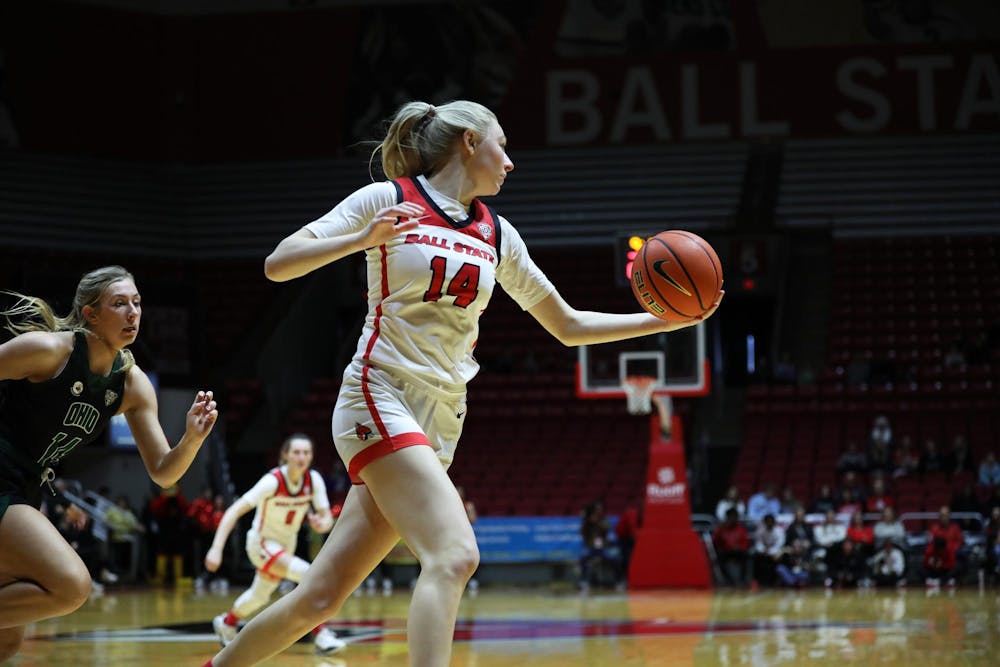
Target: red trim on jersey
268	563
380	449
282	487
377	324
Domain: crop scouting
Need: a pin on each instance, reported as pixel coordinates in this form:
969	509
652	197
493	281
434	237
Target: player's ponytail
421	137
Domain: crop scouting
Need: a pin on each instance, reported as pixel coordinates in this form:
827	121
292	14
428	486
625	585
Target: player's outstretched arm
213	559
583	327
164	463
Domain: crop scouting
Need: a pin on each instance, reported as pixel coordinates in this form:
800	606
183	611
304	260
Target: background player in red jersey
434	254
69	377
282	498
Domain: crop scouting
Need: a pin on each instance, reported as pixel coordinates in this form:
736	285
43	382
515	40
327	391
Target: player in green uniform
66	377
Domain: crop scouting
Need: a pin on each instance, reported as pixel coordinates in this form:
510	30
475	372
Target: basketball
676	276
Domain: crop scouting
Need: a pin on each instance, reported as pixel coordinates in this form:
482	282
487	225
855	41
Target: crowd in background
852	534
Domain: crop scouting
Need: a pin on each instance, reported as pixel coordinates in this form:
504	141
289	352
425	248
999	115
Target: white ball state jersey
280	508
428	287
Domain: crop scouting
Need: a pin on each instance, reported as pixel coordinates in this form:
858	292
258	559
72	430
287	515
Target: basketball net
639	393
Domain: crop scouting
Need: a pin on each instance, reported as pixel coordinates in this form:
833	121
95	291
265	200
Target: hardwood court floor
541	628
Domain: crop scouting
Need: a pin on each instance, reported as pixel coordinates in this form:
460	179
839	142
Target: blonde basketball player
283	498
68	377
435	253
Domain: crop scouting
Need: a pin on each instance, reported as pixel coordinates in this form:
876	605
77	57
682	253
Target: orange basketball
676	276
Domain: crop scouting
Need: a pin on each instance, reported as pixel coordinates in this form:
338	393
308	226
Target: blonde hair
31	313
287	444
421	137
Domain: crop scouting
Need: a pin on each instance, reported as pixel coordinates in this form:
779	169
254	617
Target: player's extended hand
715	306
319	523
202	415
213	559
392	221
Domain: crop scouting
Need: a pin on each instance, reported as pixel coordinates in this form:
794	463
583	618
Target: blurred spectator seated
789	503
861	534
732	549
594	528
824	501
853	459
939	563
931	458
889	528
847	566
989	470
878	499
75	526
126	537
959	459
769	541
880	433
889	565
905	459
730	500
762	503
991	544
828	537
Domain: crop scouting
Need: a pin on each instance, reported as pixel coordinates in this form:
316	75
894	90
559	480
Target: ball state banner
668	553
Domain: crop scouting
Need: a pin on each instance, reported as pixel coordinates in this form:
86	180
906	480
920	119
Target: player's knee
459	562
71	590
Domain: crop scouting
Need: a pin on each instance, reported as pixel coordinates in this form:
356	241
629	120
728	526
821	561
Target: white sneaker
108	577
387	587
327	642
473	587
225	632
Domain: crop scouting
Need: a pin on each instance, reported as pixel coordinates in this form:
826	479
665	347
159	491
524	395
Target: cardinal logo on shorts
362	431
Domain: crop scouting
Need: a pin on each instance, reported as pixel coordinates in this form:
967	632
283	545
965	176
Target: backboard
677	360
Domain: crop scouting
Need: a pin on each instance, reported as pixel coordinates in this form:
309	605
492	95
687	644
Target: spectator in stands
730	500
594	527
889	527
889	565
169	510
414	360
861	534
789	503
124	525
626	531
762	503
732	547
849	502
852	459
951	532
62	380
992	542
880	433
769	541
798	530
989	470
792	566
879	498
850	482
847	567
824	501
939	562
828	538
959	459
201	521
905	459
879	457
931	458
76	527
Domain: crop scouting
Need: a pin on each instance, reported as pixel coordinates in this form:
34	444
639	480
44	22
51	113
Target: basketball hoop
639	392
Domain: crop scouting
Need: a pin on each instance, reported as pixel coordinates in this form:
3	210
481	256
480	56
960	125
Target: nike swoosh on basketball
658	267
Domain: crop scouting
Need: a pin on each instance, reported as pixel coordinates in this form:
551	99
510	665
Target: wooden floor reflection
530	628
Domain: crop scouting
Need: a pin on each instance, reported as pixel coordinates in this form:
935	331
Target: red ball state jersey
280	508
428	287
